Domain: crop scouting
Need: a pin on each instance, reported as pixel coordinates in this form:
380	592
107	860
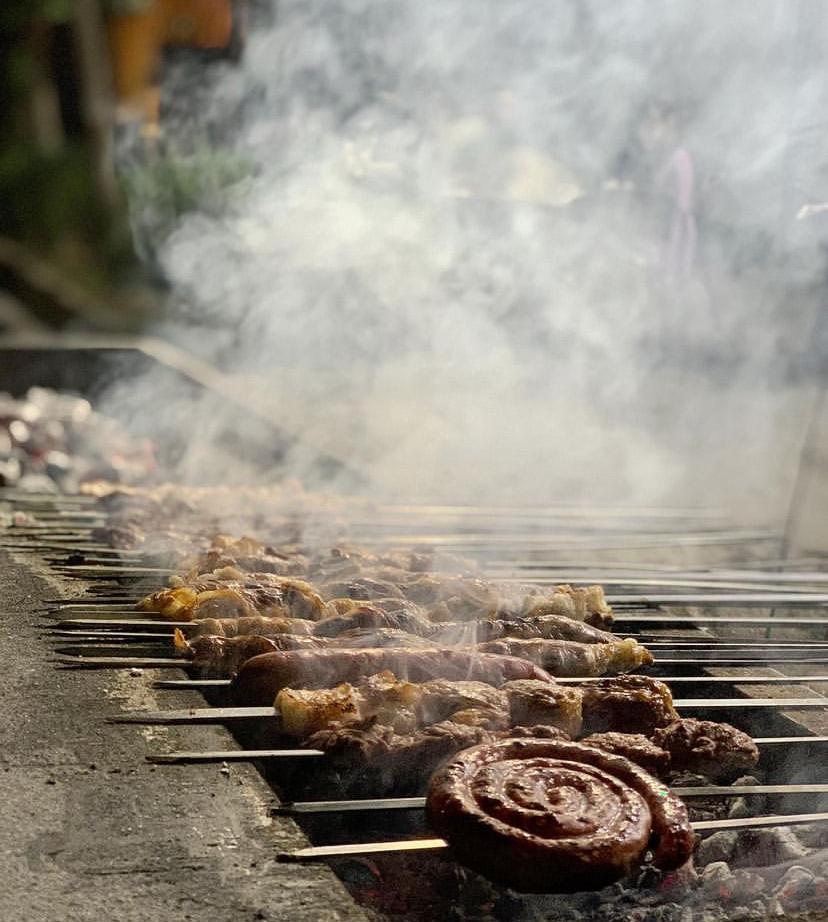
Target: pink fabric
682	164
680	246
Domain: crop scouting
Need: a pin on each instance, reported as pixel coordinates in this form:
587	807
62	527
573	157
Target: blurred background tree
73	74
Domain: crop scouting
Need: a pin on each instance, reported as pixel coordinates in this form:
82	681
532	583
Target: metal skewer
246	755
117	662
194	684
220	715
288	808
319	852
120	609
112	638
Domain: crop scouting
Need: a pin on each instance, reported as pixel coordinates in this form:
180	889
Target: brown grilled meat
627	704
255	624
367	615
635	747
369	756
222	657
547	815
716	750
260	679
225	595
566	658
218	656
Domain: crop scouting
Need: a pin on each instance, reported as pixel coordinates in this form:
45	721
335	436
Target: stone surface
91	831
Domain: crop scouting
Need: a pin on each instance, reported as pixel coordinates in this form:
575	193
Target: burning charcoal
739	808
716	848
728	886
715	875
795	887
773	908
766	847
815	836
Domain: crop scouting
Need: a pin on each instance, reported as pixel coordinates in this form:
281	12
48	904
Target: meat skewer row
372	756
337	564
549	815
626	704
223	656
227	594
631	716
261	678
230	593
370	616
388	613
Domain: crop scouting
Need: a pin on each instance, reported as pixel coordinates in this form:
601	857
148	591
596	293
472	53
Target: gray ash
767	874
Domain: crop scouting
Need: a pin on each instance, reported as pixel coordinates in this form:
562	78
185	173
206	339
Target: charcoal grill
736	631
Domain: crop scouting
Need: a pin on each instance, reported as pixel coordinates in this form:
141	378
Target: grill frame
127	586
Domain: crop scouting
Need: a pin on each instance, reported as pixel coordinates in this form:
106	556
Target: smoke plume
512	252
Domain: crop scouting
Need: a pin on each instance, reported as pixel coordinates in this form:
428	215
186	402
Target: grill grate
645	596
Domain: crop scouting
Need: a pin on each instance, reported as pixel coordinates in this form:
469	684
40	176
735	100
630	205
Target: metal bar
191	684
241	755
98	572
107	568
194	684
788	740
122	662
95	637
288	808
348	806
726	620
195	716
621	582
604	575
758	644
117	662
218	715
119	607
747	703
547	540
231	755
760	822
744	661
719	679
318	852
738	599
127	624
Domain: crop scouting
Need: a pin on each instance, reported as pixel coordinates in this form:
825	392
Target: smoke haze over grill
458	261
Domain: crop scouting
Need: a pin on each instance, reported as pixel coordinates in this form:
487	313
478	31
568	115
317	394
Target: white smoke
450	263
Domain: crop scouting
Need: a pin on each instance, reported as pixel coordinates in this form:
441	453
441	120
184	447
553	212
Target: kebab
648	730
456	598
261	678
218	656
229	592
577	710
374	756
371	616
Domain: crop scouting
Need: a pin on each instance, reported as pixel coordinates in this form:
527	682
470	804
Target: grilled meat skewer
261	678
218	656
225	595
230	592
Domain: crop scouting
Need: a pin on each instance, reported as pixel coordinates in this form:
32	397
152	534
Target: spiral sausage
549	816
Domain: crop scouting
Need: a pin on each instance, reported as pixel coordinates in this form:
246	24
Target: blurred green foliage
50	200
167	186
